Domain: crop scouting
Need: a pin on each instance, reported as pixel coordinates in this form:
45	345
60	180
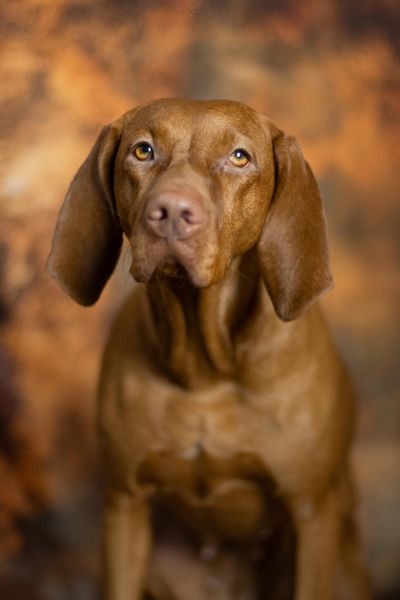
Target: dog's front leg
126	546
318	534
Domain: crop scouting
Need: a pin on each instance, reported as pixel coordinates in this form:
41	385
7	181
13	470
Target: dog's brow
226	138
167	135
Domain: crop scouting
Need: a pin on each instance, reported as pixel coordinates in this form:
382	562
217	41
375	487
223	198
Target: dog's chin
171	268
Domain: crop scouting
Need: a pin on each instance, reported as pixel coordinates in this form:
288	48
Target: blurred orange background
323	70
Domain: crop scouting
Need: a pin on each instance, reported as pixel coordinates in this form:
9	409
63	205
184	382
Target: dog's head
192	185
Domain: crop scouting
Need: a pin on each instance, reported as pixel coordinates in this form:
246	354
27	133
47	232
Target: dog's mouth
154	259
171	267
193	259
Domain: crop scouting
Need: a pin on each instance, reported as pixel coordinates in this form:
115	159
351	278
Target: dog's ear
293	248
88	237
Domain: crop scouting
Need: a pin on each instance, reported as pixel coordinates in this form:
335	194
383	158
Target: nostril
163	213
187	216
158	214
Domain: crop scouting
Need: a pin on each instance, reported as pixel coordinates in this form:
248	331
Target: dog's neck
195	329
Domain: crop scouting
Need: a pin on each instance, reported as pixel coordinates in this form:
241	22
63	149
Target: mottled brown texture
222	399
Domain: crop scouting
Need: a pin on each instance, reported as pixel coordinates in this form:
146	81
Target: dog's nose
174	215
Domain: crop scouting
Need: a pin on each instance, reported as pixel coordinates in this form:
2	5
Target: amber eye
143	151
239	158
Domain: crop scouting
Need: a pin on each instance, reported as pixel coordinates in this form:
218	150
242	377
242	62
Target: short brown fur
225	413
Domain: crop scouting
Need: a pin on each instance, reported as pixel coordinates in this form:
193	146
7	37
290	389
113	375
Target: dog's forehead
191	117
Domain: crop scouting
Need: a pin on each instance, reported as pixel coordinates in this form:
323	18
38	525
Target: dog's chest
205	466
222	496
217	423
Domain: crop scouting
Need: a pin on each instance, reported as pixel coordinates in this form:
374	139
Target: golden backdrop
323	70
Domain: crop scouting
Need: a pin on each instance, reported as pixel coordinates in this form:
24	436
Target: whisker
242	275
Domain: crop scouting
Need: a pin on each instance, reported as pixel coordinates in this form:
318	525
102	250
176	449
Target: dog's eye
143	151
239	158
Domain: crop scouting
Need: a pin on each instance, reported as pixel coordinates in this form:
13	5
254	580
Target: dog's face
192	185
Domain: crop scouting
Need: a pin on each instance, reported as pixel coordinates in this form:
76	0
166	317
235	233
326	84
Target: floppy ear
88	236
293	248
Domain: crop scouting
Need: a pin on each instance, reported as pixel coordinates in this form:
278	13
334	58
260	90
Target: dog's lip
176	269
171	267
153	257
167	262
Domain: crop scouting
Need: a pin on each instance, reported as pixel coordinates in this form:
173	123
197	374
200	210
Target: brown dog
225	413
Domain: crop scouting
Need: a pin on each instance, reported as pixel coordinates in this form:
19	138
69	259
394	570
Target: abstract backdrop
323	70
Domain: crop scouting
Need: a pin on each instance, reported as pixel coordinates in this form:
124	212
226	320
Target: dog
225	413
